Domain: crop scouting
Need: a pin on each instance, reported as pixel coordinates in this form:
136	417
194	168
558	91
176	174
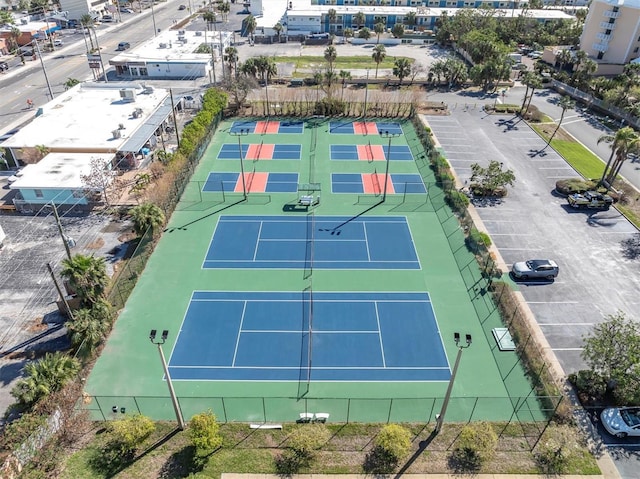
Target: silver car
535	268
621	422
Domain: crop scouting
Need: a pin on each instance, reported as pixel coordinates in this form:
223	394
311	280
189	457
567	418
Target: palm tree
225	8
87	276
267	68
364	33
14	34
344	76
231	57
532	81
317	78
330	55
89	327
379	29
401	69
565	103
359	18
210	18
563	57
331	16
278	29
44	377
6	18
86	22
410	19
348	33
250	25
145	216
378	55
622	143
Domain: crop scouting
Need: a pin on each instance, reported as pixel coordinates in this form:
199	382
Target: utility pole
447	396
62	296
175	120
172	393
61	231
44	70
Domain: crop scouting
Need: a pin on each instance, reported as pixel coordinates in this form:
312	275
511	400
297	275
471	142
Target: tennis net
309	245
376	182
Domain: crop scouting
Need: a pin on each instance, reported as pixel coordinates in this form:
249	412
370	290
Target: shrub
477	240
458	201
591	386
573	185
395	440
475	445
204	431
555	449
128	433
305	440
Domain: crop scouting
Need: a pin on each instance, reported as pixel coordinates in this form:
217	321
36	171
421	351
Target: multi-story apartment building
611	33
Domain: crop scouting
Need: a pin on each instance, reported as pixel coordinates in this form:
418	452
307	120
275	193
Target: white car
621	421
535	268
58	43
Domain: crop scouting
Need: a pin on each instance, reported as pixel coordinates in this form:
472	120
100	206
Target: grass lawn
170	455
341	63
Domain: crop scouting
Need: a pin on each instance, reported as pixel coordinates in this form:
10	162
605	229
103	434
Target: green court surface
490	384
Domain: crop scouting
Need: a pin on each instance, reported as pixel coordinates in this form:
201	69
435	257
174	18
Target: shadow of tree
631	247
464	461
182	463
378	461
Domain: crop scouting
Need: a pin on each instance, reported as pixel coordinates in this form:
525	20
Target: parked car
107	18
58	43
123	46
182	7
4	66
126	10
535	268
621	421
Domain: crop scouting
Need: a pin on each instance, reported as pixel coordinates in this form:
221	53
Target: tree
364	33
359	18
612	351
14	34
532	81
622	143
344	76
378	28
224	8
145	216
89	327
267	68
378	55
410	19
99	177
565	103
87	276
332	15
348	33
305	440
70	83
6	18
330	55
401	68
564	57
476	444
395	441
490	180
44	377
204	431
398	30
250	25
210	18
240	86
231	57
86	21
278	29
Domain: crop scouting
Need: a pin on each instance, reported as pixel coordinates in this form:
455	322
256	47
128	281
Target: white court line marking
553	302
566	324
511	234
235	352
255	250
366	241
384	362
315	331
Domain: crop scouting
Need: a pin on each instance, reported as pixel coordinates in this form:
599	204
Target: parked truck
590	199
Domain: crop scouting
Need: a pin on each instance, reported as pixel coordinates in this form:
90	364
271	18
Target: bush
395	440
128	433
305	440
477	240
555	449
204	431
590	385
330	107
475	445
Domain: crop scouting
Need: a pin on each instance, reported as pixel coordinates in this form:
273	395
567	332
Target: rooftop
83	118
58	171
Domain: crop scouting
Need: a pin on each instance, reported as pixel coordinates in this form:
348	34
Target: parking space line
566	324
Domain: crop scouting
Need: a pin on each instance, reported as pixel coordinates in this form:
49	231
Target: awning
147	130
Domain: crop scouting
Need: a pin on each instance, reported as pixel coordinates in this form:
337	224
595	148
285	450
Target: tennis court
331	336
301	285
329	242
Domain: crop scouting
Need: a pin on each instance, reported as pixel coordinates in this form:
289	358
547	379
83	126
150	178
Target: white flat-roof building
57	178
78	8
173	54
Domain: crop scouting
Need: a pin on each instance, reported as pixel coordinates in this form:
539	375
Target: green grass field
489	385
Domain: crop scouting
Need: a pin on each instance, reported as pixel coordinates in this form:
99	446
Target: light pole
66	241
447	396
366	92
240	133
387	134
174	399
153	17
44	70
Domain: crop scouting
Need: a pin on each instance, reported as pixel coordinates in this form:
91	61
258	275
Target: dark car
4	66
182	7
123	46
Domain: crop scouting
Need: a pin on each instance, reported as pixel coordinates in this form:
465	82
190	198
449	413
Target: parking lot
596	279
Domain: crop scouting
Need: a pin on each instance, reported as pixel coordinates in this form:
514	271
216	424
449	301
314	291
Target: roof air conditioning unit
181	39
198	34
120	126
180	32
116	134
163	45
24	21
148	89
128	94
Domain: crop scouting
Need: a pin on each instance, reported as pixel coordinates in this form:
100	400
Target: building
118	123
77	8
300	18
173	54
611	34
29	31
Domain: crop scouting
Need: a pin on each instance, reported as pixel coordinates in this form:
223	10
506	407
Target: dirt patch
549	128
96	244
37	326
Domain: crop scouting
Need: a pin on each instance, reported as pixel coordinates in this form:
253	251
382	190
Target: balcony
604	37
607	25
600	47
610	14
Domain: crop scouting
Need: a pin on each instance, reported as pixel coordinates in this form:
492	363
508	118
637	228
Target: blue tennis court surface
368	152
363	127
360	183
324	242
277	127
259	151
276	182
264	336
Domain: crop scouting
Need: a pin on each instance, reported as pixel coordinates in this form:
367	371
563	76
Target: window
600	55
608	32
616	9
38	193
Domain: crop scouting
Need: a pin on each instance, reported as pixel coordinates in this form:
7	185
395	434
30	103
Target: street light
447	396
172	393
240	133
366	92
387	134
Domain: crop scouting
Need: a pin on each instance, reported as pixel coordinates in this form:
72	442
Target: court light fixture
390	135
174	400
447	396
